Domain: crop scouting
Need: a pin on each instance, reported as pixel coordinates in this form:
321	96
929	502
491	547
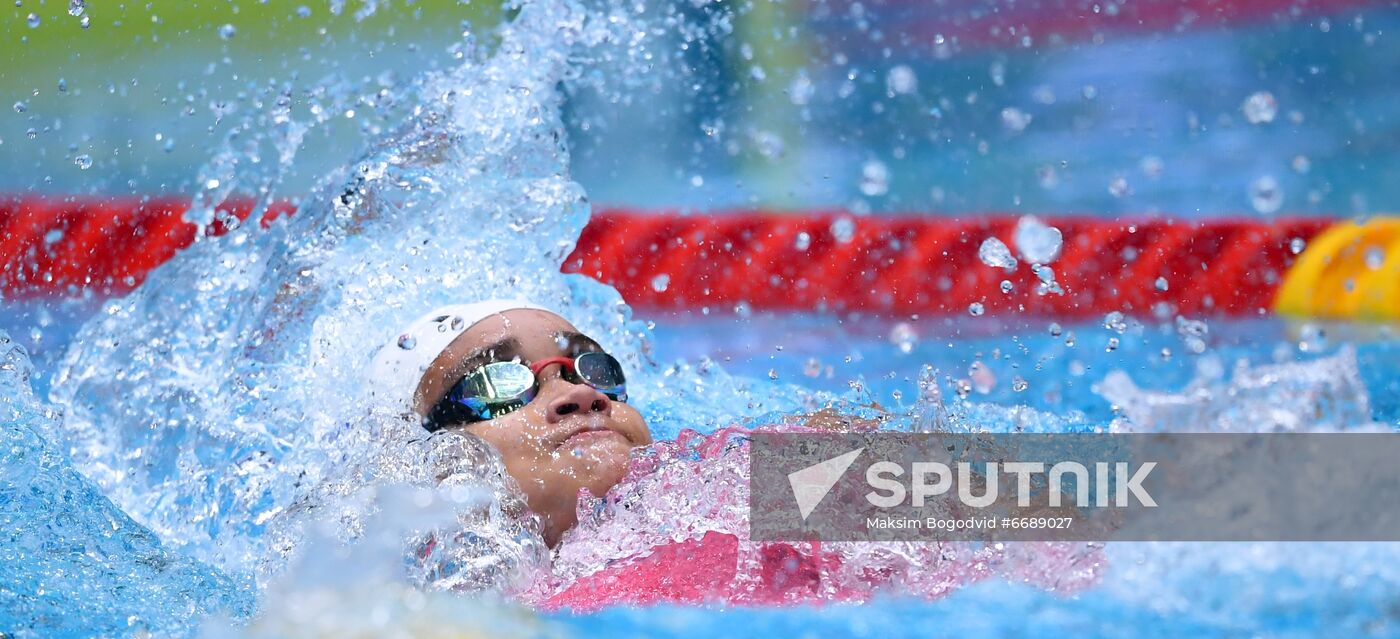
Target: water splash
1319	395
361	589
697	489
229	393
74	564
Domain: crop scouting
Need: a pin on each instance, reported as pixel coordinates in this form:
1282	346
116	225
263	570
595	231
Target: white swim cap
399	366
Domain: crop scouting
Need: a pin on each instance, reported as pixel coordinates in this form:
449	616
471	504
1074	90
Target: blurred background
1189	108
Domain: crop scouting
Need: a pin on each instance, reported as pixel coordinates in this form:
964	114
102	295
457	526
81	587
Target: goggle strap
566	362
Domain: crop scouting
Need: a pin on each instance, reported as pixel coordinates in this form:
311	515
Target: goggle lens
603	372
500	381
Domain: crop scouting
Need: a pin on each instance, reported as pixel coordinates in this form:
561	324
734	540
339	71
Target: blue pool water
1149	590
206	457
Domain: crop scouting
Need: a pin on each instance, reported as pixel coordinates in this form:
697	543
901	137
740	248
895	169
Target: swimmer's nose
577	398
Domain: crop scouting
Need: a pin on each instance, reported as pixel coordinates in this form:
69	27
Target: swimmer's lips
587	433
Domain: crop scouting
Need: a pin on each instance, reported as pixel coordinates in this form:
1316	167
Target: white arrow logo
811	484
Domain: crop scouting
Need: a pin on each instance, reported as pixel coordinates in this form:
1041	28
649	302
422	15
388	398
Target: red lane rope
929	265
820	261
71	246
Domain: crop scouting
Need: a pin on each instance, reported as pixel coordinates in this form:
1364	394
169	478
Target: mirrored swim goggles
501	387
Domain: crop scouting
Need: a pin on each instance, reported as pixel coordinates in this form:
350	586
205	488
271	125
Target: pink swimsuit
685	502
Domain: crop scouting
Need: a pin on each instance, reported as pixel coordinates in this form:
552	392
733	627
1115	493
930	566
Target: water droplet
85	21
904	336
769	144
660	283
976	309
212	183
21	107
1036	241
697	181
1301	164
843	229
982	378
801	89
1014	120
1160	284
901	80
1375	257
303	11
994	253
1048	285
1260	108
1297	245
31	133
407	342
1007	286
84	162
803	241
1055	329
1116	322
1119	187
32	21
928	385
1166	354
1112	345
227	31
773	374
1312	339
62	85
1151	166
1193	328
76	7
1193	334
874	178
812	368
1019	384
1265	195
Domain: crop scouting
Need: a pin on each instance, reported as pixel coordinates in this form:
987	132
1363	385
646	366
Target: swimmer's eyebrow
575	342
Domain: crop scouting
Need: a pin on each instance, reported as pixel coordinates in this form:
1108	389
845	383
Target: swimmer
523	379
553	404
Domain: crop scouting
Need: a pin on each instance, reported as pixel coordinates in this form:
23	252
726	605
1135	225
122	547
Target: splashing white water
73	562
229	392
1323	394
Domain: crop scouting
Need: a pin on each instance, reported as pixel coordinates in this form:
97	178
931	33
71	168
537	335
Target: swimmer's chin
599	450
604	457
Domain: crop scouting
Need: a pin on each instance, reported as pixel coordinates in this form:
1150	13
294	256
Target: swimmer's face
570	436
